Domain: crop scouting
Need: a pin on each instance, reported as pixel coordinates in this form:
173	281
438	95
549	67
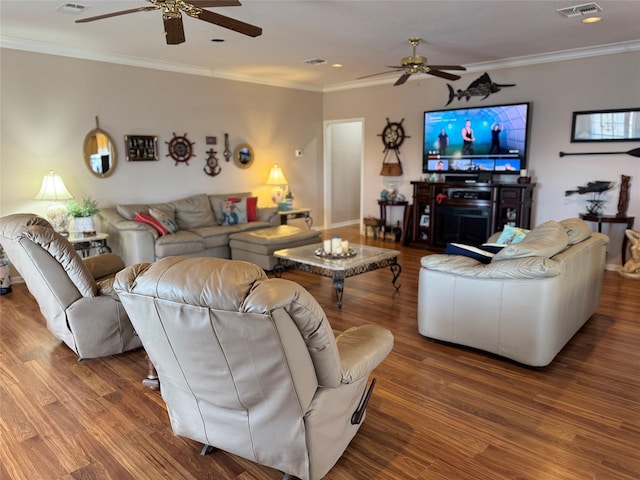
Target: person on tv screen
495	137
467	139
443	142
440	165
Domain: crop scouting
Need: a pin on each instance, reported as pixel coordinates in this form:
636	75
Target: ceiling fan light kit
418	64
172	17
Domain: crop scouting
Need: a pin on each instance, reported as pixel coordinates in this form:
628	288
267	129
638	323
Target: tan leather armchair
74	295
249	364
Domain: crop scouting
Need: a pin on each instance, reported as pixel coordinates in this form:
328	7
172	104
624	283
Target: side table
600	219
383	214
305	213
84	243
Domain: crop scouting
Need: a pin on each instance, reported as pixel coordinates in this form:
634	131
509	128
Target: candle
327	246
523	172
336	245
345	246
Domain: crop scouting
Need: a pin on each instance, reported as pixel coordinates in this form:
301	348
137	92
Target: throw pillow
577	229
492	247
130	211
168	222
149	220
545	240
194	212
233	213
252	206
511	235
469	251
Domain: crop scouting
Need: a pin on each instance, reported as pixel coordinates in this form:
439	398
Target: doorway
343	169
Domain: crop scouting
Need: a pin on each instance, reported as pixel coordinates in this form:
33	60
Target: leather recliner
74	294
249	364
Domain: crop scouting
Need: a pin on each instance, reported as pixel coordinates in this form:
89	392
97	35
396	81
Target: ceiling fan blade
446	67
214	3
380	73
438	73
403	78
230	23
116	14
174	30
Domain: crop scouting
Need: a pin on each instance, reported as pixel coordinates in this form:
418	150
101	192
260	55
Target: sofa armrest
361	350
523	268
104	265
117	221
269	214
134	241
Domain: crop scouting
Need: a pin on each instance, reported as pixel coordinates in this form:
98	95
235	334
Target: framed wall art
141	148
621	125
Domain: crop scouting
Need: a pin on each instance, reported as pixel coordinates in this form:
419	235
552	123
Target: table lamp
53	189
278	181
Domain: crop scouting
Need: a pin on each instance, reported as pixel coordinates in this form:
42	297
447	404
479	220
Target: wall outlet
298	152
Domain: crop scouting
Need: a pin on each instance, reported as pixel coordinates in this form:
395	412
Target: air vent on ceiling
580	10
315	61
71	8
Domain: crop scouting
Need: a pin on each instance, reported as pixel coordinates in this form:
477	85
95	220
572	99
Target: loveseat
524	302
195	226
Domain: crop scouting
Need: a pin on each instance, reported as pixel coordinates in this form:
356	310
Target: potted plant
82	213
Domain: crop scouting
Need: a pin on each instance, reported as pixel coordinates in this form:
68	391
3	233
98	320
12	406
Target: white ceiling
365	36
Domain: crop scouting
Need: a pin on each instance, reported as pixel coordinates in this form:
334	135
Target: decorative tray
321	253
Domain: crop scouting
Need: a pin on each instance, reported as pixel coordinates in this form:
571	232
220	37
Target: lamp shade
53	188
276	177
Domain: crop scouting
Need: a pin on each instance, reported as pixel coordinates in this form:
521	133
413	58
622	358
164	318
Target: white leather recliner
74	294
249	364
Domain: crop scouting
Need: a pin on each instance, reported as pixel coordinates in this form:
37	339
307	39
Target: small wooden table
600	219
305	213
84	243
383	214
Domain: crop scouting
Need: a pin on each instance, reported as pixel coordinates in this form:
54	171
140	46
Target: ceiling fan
418	64
172	16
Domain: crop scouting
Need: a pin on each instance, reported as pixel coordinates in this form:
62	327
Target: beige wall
49	104
555	90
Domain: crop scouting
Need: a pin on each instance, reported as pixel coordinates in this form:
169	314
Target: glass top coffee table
365	259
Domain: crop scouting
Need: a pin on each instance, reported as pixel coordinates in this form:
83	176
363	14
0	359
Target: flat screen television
495	139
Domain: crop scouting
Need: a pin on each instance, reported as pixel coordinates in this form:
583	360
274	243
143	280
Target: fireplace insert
468	225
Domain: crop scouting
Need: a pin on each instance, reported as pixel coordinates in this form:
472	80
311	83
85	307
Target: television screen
477	139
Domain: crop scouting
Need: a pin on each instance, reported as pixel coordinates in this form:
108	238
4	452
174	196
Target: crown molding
559	56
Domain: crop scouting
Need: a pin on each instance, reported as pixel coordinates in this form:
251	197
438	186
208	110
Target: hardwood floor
439	411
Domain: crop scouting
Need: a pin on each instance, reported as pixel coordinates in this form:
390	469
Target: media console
466	212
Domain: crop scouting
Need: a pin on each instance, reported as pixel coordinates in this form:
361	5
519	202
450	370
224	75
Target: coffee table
366	259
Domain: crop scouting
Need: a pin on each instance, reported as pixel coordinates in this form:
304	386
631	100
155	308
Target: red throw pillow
252	209
149	220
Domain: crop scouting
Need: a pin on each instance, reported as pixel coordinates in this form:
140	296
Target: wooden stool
374	224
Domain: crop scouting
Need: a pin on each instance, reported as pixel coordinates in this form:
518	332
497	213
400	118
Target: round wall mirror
100	154
243	155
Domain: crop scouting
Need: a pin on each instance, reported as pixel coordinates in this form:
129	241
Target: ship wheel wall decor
180	149
393	135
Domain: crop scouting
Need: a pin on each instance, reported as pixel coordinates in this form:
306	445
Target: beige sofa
200	232
525	304
250	364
